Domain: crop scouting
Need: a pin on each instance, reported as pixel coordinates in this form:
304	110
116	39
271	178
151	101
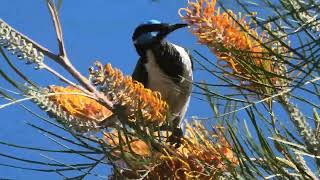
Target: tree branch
57	26
64	61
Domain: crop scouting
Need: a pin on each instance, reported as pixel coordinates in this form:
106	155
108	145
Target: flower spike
124	91
238	46
70	107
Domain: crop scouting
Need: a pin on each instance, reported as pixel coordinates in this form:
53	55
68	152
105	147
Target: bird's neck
152	45
167	58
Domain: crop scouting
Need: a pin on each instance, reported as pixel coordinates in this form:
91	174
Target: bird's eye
154	33
146	37
146	31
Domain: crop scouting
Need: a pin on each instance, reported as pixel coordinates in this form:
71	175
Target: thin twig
64	61
39	47
47	95
57	26
62	78
71	166
16	70
268	98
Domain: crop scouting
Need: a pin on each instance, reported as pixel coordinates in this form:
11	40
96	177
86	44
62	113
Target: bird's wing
140	73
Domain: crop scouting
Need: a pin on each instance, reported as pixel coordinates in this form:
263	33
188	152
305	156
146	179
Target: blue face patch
148	37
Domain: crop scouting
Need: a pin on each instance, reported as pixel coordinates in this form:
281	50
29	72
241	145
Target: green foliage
268	144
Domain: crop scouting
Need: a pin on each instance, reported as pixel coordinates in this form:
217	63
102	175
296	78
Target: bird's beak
168	28
173	27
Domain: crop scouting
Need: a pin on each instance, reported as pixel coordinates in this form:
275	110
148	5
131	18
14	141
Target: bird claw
175	137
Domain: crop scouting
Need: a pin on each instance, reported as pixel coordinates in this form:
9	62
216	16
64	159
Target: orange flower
78	105
138	146
203	154
140	102
237	45
81	110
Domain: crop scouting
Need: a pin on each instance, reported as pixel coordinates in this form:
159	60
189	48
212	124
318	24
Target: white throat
177	95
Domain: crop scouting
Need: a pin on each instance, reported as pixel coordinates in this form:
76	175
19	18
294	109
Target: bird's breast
176	94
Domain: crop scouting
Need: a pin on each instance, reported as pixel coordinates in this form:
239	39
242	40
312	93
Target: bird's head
153	31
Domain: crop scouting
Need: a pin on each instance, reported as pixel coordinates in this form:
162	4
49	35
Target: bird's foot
175	137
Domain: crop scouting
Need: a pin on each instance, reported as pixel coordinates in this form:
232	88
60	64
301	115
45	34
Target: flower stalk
19	46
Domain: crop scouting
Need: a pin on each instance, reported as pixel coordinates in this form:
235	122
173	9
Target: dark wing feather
140	73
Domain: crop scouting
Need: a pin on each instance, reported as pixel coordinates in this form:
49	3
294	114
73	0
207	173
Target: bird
164	67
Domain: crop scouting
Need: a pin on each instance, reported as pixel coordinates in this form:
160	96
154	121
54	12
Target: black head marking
148	28
152	33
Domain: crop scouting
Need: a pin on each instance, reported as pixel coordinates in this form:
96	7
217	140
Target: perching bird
164	67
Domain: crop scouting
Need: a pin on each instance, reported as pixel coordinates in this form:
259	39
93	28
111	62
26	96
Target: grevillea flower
140	102
79	106
71	107
203	154
137	146
233	40
18	45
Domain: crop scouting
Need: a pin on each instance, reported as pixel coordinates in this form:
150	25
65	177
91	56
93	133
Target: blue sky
93	30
